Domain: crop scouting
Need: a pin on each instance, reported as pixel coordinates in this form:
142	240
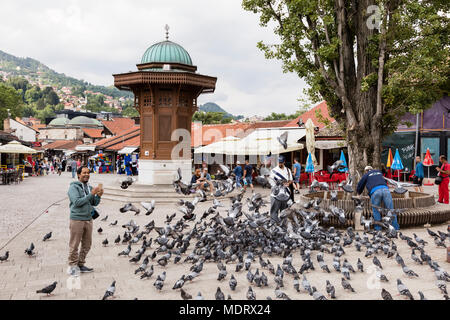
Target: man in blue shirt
378	191
238	173
296	173
418	175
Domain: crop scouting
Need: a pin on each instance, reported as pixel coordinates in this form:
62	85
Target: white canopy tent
221	147
126	150
85	147
262	141
16	147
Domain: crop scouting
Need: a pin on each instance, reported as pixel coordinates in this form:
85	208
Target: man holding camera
83	198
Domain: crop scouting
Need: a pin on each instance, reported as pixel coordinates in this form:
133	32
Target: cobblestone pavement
22	276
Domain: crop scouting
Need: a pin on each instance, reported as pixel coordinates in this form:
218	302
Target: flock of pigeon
239	239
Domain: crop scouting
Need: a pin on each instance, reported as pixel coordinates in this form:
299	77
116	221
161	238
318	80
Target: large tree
371	60
10	103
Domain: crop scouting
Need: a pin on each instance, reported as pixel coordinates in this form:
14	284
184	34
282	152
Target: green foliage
130	111
333	47
10	100
30	67
211	117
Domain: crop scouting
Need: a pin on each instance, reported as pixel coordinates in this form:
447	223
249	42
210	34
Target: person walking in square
73	167
418	174
238	173
248	180
378	191
296	173
444	172
83	198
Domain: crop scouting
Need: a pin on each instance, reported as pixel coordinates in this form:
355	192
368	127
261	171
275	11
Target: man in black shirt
248	170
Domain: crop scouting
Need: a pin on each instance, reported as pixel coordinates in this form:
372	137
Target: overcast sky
94	39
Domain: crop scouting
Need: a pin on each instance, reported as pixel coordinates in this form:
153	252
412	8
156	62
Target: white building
18	128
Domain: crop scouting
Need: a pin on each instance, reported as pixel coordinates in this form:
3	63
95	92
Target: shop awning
127	150
84	147
69	152
330	144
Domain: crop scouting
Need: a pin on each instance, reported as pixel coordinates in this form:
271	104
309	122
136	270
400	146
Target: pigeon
148	206
346	285
124	184
113	223
380	275
159	283
283	139
105	242
386	295
422	297
306	285
403	290
347	185
400	187
49	289
117	240
296	283
219	294
419	240
250	294
29	251
110	291
100	230
148	274
330	290
125	252
47	236
222	274
441	285
399	259
179	283
333	195
199	296
409	272
104	219
335	166
130	207
5	257
185	295
232	283
317	295
280	294
377	262
360	265
415	258
432	234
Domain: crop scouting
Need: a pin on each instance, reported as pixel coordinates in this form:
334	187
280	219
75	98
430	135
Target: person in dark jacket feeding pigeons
82	200
378	191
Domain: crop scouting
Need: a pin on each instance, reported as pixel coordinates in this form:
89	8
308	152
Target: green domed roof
59	122
83	120
166	51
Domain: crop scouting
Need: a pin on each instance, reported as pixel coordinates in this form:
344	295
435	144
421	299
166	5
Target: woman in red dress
444	172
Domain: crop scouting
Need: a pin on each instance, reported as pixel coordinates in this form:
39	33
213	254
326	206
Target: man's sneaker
85	269
73	271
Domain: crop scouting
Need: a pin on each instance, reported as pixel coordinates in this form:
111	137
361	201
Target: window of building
433	145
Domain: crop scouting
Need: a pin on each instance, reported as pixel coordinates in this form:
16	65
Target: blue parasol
309	164
342	158
397	163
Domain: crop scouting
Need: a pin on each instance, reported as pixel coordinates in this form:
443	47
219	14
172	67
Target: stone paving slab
22	276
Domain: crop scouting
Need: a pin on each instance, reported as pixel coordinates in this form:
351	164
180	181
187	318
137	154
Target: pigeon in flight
113	223
335	166
283	139
47	236
400	187
110	291
149	206
49	289
104	219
